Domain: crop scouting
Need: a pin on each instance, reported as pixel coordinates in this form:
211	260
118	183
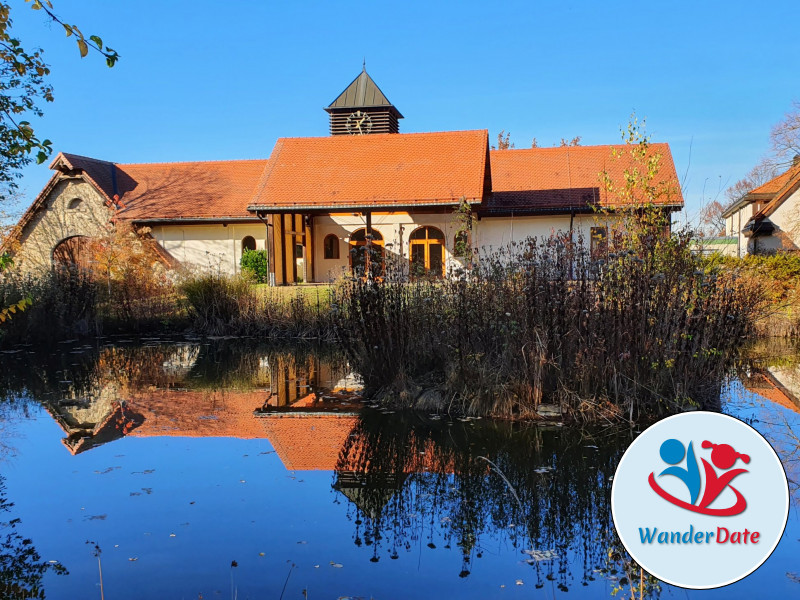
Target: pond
231	469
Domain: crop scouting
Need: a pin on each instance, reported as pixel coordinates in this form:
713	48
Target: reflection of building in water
181	360
308	442
108	410
777	384
296	382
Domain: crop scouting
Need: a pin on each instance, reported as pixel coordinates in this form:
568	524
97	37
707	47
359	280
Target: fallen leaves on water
539	555
107	470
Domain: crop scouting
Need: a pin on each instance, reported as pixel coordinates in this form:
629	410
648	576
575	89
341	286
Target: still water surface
229	469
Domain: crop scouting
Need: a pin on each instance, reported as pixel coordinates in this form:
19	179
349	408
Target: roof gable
789	183
372	171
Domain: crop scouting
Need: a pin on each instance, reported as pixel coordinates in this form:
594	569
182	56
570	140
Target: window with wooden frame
366	253
331	246
427	252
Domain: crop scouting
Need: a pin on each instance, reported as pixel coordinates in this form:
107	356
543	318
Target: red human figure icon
724	457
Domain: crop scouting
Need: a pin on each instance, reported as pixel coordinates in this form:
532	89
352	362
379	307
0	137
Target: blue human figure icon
672	453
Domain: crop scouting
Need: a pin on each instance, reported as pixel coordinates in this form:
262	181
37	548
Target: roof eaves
783	194
264	208
30	212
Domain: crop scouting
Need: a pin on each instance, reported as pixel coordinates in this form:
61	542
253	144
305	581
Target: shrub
255	264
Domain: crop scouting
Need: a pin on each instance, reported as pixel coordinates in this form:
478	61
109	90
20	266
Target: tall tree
785	136
784	146
24	87
711	218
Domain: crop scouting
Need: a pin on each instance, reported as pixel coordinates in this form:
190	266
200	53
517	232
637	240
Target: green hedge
255	264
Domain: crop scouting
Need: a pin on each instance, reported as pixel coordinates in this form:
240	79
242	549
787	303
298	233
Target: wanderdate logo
700	500
723	457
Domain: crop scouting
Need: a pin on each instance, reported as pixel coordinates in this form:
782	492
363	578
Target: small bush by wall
255	264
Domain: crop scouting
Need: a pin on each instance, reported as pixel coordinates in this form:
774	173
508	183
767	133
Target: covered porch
317	246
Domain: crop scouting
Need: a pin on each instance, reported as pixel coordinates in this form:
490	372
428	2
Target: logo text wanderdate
721	536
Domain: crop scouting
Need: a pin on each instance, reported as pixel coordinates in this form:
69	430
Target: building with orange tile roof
767	219
322	206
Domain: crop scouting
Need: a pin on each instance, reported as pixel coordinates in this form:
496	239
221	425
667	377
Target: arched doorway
73	252
363	262
427	252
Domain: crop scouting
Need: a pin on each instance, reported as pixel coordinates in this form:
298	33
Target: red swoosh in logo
737	508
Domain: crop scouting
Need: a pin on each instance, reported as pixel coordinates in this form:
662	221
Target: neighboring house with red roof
365	197
768	218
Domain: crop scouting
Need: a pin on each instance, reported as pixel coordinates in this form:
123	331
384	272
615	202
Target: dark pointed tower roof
363	92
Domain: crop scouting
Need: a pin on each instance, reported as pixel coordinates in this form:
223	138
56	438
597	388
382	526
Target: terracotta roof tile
302	441
193	190
100	171
784	186
375	170
774	185
184	413
553	179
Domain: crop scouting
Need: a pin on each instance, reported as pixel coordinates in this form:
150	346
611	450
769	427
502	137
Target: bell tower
362	109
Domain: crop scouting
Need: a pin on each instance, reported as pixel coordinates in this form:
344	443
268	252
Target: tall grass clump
220	304
541	321
62	303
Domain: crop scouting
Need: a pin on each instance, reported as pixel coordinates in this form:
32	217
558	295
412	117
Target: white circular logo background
691	492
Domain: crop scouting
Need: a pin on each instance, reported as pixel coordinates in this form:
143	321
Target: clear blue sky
207	80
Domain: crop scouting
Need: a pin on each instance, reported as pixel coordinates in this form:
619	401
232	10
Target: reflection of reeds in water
22	570
414	482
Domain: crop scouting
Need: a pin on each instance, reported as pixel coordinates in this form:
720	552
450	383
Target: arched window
427	252
248	243
74	203
331	246
361	261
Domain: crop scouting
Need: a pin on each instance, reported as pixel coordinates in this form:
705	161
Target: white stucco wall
489	234
786	220
213	247
734	225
